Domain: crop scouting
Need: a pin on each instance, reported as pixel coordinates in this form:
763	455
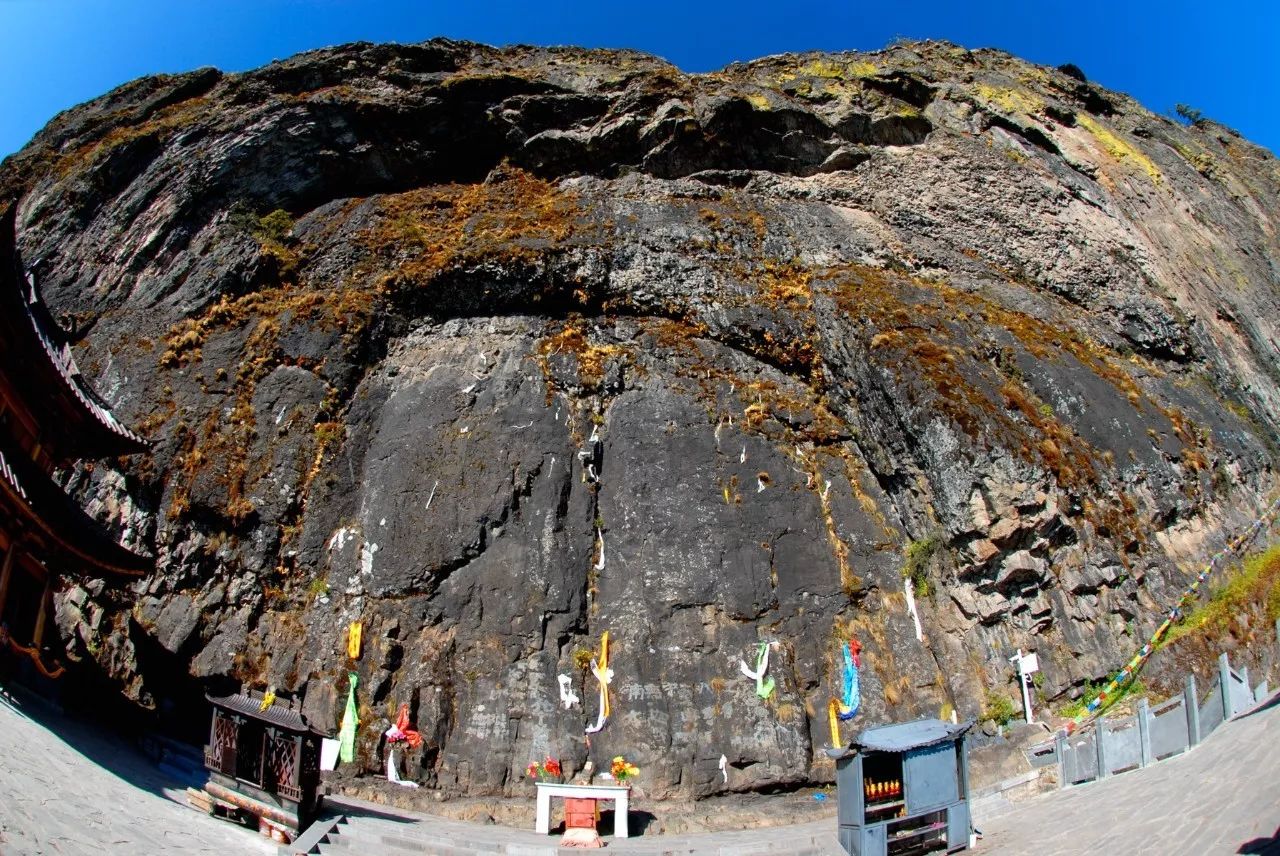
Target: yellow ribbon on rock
354	632
600	668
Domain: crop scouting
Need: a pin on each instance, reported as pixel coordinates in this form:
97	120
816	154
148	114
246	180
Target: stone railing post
1144	732
1060	750
1277	640
1099	743
1224	682
1191	701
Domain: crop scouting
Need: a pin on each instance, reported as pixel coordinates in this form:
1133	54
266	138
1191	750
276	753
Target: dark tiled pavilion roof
282	714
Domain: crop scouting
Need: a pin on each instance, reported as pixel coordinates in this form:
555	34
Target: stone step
356	837
342	845
427	838
200	800
380	831
480	840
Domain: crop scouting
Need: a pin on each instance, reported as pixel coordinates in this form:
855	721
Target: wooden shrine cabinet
263	760
904	789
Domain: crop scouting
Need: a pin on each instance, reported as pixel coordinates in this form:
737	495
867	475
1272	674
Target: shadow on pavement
97	743
334	806
1262	846
637	822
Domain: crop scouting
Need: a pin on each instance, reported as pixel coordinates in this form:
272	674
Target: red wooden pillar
6	571
42	613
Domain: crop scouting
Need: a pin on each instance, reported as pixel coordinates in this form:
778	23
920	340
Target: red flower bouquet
548	770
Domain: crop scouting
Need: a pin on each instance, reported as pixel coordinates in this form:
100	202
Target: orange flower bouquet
548	770
622	770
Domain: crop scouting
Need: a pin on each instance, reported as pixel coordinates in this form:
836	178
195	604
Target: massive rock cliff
496	350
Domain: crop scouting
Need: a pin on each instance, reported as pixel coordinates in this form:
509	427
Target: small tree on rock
1070	69
1191	115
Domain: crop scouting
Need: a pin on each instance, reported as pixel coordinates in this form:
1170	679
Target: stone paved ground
68	788
371	828
1222	797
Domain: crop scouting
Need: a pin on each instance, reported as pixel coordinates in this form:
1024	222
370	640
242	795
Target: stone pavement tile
1210	800
67	788
427	828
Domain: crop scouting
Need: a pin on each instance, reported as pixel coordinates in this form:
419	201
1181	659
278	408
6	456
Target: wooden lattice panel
222	752
282	763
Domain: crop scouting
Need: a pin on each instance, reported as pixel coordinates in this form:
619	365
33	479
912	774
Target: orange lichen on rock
592	358
220	450
164	122
916	327
785	284
513	216
345	309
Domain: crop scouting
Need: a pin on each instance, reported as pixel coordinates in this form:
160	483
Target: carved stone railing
1152	733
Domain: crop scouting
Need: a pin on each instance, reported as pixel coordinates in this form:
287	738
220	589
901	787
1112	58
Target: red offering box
580	813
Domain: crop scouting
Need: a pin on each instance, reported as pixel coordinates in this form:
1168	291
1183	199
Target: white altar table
620	795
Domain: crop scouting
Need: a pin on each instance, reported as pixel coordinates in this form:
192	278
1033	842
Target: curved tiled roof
31	496
40	364
72	421
279	713
60	355
12	478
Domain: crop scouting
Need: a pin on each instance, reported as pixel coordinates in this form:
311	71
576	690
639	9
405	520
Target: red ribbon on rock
402	730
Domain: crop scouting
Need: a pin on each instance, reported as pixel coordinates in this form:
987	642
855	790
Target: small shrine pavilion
263	759
49	418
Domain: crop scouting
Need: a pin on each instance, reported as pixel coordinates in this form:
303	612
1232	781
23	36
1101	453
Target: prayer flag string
350	722
1135	664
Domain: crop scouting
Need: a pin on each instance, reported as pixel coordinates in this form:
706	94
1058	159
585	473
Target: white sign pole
1025	665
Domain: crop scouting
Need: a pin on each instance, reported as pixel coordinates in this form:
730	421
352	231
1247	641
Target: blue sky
1221	58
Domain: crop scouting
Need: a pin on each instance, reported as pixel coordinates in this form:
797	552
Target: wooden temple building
49	418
